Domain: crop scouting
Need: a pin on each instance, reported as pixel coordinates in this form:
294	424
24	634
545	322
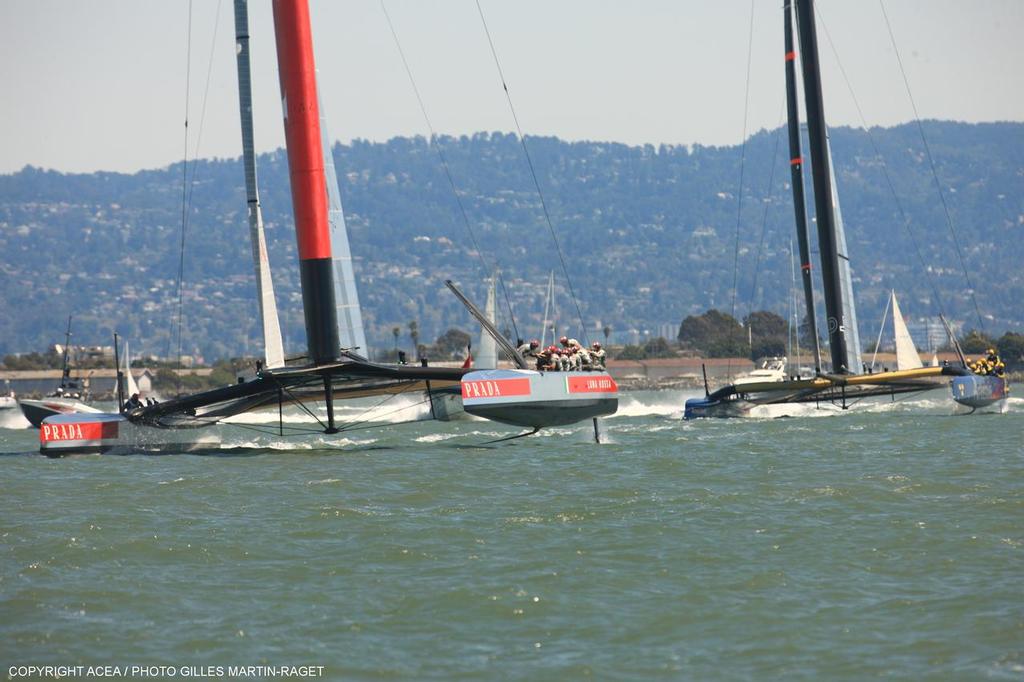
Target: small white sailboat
70	397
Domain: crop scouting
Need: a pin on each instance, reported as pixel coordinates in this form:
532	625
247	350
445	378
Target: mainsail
346	296
853	352
272	344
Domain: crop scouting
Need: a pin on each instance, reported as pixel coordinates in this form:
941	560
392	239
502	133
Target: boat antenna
931	165
184	192
435	142
533	174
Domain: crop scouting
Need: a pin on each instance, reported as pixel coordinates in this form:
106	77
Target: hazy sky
101	84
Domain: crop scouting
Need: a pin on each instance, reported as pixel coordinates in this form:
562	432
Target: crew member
529	350
597	355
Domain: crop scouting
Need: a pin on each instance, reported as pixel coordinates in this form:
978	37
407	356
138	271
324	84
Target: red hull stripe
585	384
495	388
302	127
50	433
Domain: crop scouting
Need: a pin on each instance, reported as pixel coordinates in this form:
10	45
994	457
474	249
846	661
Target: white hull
111	433
36	411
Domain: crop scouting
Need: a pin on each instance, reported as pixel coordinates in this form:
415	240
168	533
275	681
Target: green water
886	543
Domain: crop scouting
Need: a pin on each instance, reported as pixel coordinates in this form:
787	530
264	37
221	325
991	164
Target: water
885	543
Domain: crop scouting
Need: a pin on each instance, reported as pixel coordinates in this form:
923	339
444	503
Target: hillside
648	233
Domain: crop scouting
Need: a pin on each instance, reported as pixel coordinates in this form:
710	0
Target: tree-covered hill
648	233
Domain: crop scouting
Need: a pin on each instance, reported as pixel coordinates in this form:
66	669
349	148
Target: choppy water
885	543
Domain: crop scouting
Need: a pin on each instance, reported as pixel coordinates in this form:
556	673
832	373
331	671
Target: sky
101	85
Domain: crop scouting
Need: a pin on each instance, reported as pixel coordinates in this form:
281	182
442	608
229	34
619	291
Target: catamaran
331	370
847	383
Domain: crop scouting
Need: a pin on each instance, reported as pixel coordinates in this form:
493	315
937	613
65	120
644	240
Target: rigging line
533	174
273	430
360	417
767	206
298	402
931	164
739	198
434	140
184	192
202	112
885	168
190	183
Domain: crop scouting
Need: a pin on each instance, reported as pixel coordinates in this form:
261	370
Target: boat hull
977	391
840	392
112	433
36	411
522	397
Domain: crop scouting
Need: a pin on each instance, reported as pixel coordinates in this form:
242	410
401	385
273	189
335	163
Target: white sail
549	300
853	353
487	356
125	365
346	296
906	354
273	348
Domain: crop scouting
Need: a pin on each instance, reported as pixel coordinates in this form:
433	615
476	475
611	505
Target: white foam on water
392	410
436	437
651	404
13	419
321	442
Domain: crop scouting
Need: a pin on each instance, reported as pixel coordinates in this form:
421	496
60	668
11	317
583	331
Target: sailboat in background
907	356
844	385
70	397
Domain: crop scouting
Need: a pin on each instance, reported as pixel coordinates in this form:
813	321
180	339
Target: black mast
796	164
822	185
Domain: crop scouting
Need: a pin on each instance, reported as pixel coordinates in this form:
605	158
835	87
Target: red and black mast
824	209
796	165
308	180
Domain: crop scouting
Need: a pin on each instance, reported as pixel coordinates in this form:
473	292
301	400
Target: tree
714	333
658	348
631	352
768	334
395	331
976	342
414	334
453	343
1011	350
